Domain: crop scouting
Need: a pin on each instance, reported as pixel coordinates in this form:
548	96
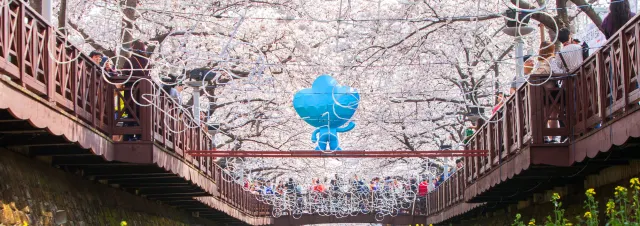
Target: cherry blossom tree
420	66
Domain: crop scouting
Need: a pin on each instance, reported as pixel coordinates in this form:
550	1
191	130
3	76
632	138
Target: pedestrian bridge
54	101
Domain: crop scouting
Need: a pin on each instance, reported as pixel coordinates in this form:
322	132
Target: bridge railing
237	197
522	121
603	88
40	59
449	193
36	56
606	85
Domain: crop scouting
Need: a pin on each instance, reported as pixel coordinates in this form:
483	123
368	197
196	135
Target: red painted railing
237	197
450	192
39	58
607	83
604	87
521	122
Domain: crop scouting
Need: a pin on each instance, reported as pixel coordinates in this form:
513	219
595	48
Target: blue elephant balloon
327	106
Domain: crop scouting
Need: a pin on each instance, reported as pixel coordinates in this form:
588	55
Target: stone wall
32	191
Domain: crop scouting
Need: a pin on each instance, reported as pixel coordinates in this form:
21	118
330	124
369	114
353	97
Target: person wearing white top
175	92
570	56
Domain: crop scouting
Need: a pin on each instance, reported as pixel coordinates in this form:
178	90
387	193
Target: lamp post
518	27
195	92
47	10
198	78
213	129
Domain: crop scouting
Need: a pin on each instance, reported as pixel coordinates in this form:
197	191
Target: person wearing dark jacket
414	185
137	64
619	14
290	185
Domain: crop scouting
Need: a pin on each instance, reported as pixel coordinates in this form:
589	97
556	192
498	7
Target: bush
623	209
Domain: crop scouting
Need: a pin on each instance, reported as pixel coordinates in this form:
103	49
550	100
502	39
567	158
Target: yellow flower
532	222
587	215
555	196
621	189
610	206
590	192
568	224
123	223
635	183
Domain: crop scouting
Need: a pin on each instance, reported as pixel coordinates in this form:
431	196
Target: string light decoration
419	67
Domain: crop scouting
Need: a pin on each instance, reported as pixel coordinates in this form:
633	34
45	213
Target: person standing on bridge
423	188
413	185
137	67
619	14
545	55
431	186
359	185
499	102
459	164
568	59
570	56
96	57
291	186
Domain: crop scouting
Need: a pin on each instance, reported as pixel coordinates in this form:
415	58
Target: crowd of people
354	185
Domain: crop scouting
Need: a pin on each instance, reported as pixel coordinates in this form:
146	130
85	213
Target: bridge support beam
339	154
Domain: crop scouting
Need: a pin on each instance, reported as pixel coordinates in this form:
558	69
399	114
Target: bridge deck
598	105
54	103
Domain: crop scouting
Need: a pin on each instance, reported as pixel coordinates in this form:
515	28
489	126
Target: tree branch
89	40
587	9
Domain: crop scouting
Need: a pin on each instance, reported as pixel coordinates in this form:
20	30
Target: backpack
585	50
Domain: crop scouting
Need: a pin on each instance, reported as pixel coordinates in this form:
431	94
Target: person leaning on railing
137	67
619	14
499	102
173	88
472	129
570	56
96	56
545	55
106	67
546	66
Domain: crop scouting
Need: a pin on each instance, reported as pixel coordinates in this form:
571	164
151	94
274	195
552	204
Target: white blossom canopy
419	67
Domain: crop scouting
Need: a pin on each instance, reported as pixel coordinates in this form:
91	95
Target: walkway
598	106
54	102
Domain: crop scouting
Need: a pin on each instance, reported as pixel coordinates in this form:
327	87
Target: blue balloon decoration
327	106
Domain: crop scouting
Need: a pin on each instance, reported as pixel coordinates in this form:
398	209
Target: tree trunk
563	16
62	15
37	5
129	18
